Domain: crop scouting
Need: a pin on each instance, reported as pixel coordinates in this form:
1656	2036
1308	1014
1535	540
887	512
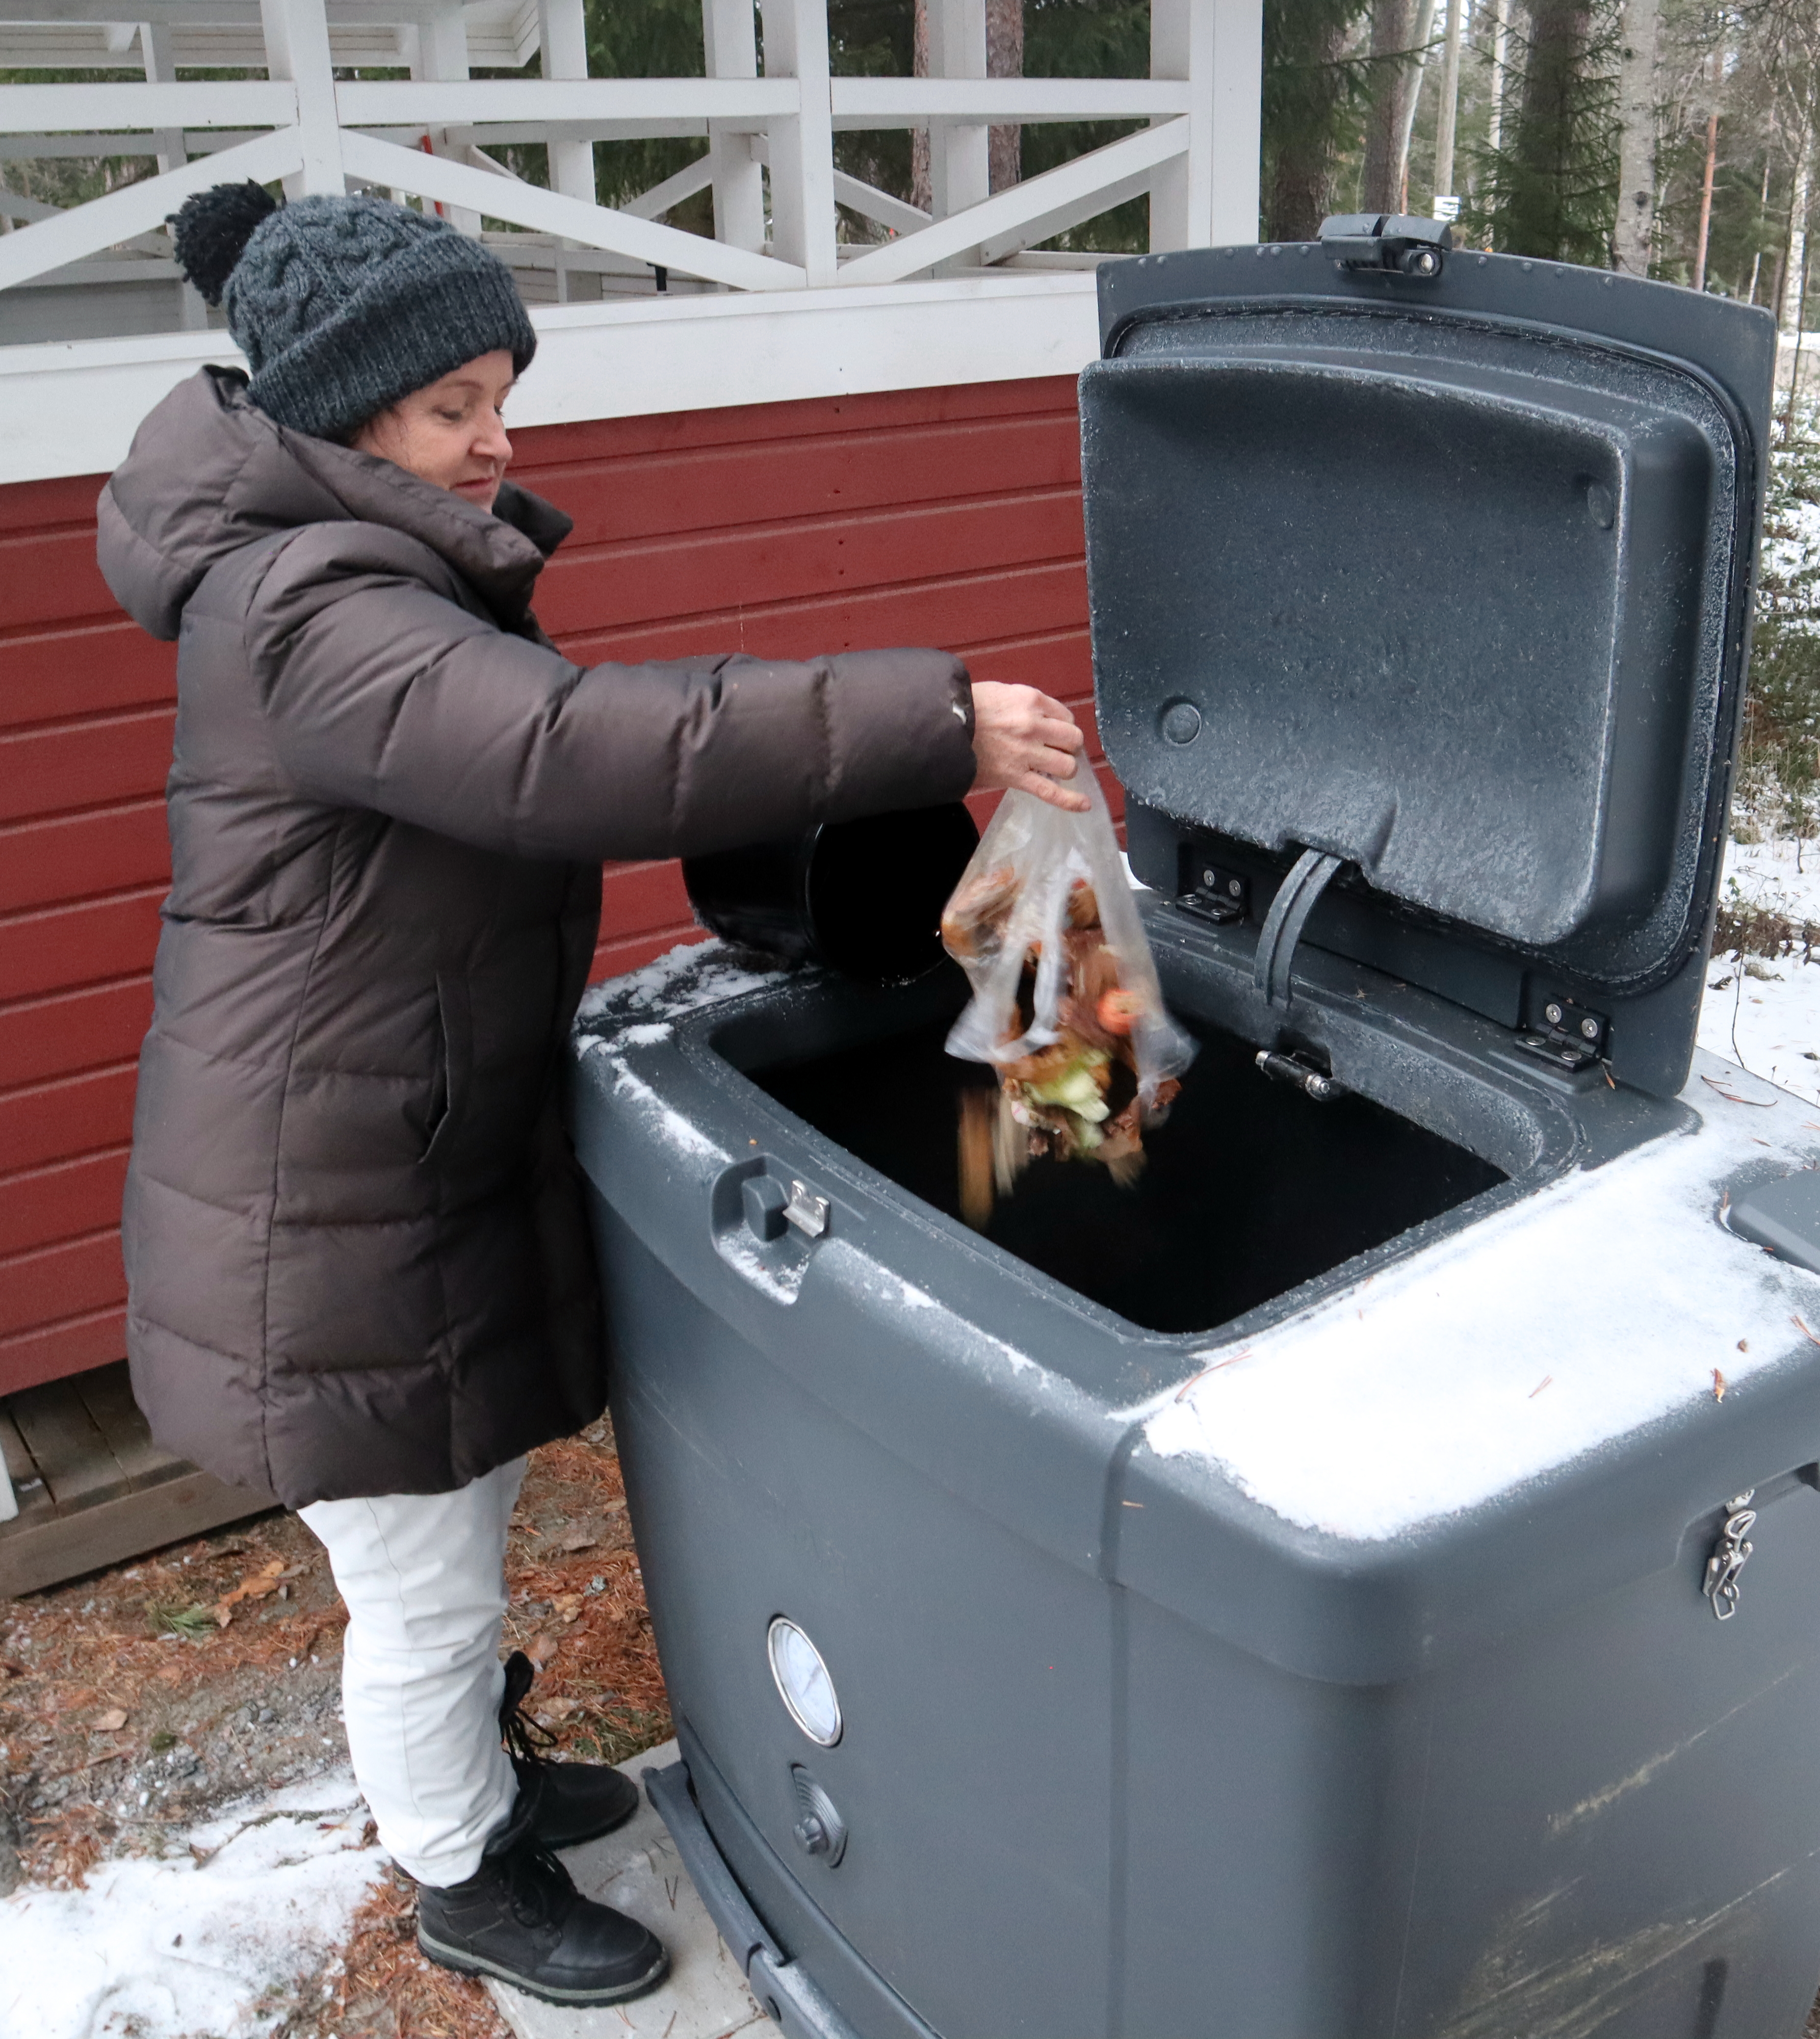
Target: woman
359	1271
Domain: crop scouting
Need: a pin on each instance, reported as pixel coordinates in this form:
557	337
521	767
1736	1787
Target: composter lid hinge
1296	1067
1401	242
1569	1036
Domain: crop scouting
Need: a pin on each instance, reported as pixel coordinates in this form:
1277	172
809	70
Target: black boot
569	1803
518	1917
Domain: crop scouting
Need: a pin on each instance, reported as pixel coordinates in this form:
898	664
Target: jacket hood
209	472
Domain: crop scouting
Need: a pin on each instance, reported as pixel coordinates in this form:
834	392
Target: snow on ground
1770	1024
213	1938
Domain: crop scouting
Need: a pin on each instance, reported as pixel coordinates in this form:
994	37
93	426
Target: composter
1361	1581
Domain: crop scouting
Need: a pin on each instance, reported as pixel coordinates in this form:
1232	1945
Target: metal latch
1401	242
1303	1072
807	1211
1729	1555
1570	1036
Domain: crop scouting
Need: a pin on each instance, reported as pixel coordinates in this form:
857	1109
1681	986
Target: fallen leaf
172	1674
1717	1385
553	1712
542	1650
1805	1332
568	1605
255	1585
1744	1345
615	1507
578	1538
113	1719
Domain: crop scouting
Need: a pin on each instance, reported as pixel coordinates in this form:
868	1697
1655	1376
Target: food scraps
1067	1005
1076	1097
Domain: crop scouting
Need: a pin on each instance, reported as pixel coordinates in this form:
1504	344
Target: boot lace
538	1888
527	1741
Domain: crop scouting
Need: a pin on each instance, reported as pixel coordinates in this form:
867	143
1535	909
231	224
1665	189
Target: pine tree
1551	189
1314	101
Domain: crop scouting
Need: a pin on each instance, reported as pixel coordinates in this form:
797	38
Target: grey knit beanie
344	305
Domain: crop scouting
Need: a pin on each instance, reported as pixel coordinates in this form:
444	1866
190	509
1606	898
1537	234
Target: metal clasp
807	1211
1729	1555
1408	244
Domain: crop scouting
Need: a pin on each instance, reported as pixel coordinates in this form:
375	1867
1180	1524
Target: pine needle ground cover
141	1701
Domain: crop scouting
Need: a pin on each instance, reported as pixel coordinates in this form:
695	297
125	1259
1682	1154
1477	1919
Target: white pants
423	1576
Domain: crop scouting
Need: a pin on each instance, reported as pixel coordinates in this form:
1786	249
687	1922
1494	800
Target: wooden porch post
1210	195
442	53
960	152
157	57
802	146
562	38
730	43
296	49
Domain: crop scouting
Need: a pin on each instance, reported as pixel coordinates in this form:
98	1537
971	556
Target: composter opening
1252	1187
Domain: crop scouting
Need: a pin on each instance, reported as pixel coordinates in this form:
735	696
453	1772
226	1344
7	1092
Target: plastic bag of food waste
1065	1002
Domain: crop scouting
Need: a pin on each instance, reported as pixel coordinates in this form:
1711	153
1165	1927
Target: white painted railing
770	162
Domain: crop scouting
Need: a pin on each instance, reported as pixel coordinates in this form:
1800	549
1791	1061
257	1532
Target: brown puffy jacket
355	1244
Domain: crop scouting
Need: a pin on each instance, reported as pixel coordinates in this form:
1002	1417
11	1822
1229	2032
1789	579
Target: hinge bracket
1571	1037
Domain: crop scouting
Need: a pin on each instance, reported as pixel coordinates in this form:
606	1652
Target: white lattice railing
770	162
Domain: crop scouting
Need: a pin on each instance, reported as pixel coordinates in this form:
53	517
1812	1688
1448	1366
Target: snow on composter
1360	1580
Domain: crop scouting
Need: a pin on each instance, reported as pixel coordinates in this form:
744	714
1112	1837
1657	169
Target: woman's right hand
1025	743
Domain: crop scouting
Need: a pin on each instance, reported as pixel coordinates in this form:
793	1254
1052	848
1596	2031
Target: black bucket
864	897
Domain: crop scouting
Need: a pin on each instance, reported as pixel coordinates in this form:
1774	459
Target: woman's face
450	432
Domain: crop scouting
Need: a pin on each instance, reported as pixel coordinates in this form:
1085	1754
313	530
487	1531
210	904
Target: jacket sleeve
381	693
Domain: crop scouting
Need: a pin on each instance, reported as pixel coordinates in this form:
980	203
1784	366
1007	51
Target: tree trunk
1300	195
1424	31
1794	365
1500	57
922	192
1392	26
1635	226
1794	262
1004	59
1538	221
1706	201
1447	116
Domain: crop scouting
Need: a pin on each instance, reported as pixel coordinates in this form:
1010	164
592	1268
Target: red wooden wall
947	517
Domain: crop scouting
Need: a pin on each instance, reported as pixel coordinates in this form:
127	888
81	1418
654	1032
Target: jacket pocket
450	1095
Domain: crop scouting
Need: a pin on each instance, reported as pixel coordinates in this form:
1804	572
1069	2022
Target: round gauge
803	1683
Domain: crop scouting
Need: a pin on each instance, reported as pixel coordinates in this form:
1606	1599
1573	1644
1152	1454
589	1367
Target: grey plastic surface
1785	1217
1177	1766
1449	580
1127	1753
785	1990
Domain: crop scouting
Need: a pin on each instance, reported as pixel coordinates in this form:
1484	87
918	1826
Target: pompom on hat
343	305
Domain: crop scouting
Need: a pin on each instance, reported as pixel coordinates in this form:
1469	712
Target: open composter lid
1446	575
